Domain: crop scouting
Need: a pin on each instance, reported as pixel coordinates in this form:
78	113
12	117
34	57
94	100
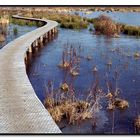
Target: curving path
20	109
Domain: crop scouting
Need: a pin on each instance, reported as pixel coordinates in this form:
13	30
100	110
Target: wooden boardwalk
20	109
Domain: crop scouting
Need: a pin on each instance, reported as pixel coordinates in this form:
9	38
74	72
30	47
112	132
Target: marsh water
9	32
131	18
102	49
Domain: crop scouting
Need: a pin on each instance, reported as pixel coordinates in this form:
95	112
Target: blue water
131	18
100	48
10	34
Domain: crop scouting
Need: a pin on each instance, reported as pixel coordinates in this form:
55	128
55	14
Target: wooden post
36	43
52	32
55	30
36	49
40	41
25	58
45	39
48	36
30	49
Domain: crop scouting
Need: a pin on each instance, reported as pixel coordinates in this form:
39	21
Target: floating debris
136	54
89	57
74	72
133	80
128	55
113	50
109	63
116	35
109	95
117	103
64	87
95	69
64	65
121	103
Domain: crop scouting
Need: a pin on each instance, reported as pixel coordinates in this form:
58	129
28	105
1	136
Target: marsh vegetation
22	22
105	25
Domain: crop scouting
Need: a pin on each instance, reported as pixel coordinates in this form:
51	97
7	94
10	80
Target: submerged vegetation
62	102
73	111
71	60
15	30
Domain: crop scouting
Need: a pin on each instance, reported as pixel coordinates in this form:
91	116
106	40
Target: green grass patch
65	20
23	22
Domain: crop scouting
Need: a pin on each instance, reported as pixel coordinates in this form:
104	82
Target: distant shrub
74	25
2	38
66	20
105	25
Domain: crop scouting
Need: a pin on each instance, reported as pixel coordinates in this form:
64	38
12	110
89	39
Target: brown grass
136	55
121	104
73	111
64	65
64	87
116	103
74	72
2	38
49	102
105	25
